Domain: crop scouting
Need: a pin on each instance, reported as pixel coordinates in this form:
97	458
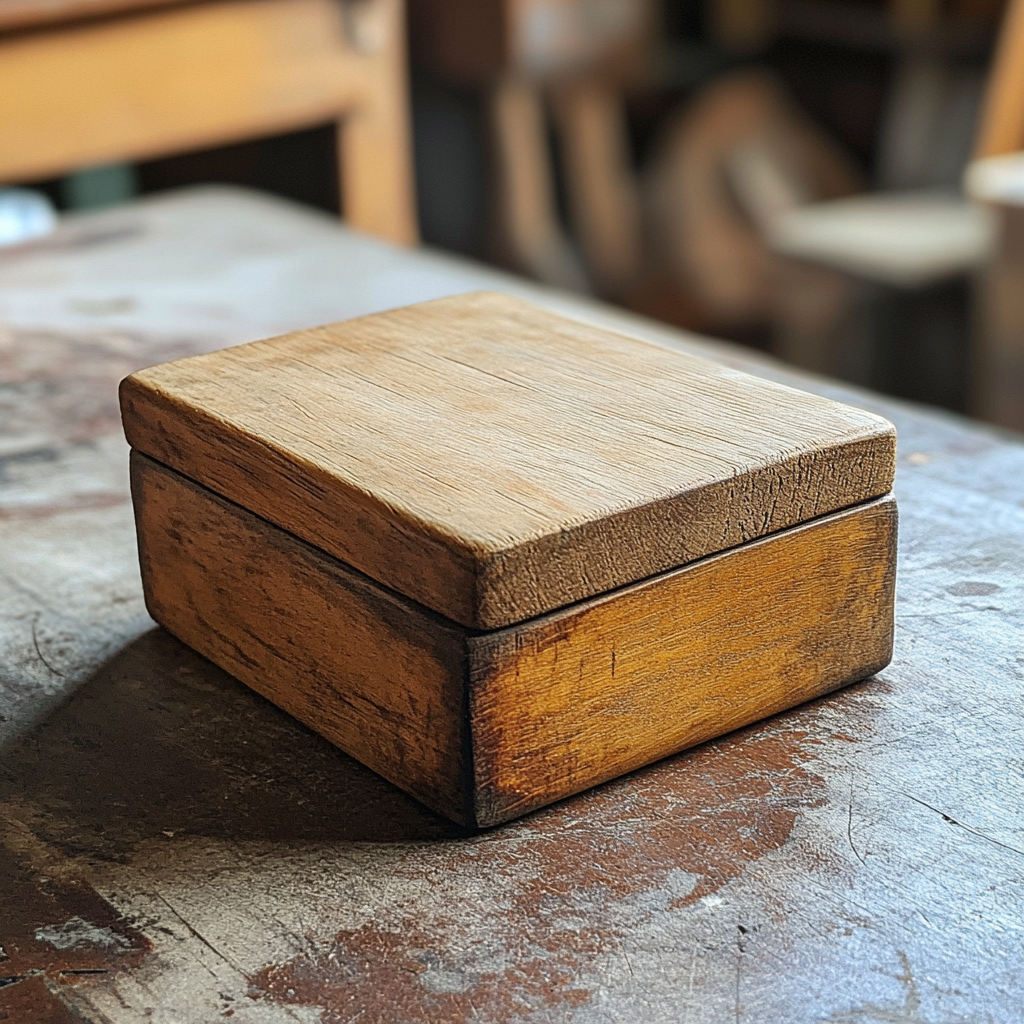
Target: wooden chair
996	179
143	82
1002	123
891	258
557	64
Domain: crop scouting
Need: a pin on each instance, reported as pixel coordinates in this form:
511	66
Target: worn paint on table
57	933
858	859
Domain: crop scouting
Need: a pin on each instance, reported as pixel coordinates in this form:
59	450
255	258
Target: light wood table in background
90	82
175	849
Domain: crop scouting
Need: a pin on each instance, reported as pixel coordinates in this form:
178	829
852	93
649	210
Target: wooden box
500	556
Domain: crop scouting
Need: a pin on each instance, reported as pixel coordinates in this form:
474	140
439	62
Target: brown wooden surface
855	860
1002	121
485	727
585	695
374	134
377	676
493	461
150	84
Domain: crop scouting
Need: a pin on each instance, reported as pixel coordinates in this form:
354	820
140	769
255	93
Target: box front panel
586	694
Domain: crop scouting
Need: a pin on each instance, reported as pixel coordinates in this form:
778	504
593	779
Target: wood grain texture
541	710
587	694
493	461
149	84
378	677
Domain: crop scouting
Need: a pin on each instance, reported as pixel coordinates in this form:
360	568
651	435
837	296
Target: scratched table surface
174	849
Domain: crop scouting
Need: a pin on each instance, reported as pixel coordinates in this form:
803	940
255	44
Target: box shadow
160	740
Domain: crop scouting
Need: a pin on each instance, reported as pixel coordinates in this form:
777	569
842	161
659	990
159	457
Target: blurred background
833	181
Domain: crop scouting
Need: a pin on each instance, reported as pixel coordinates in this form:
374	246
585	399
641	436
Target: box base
486	726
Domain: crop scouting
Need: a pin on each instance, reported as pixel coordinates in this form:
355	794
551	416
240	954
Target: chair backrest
477	41
147	84
1002	121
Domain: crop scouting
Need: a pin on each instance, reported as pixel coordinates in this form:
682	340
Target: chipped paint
56	932
76	932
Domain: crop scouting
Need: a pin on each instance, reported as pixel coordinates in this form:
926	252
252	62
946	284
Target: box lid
494	461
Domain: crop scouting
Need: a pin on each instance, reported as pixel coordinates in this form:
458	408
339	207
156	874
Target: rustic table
175	849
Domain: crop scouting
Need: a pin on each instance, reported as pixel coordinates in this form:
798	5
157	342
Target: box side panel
581	696
378	677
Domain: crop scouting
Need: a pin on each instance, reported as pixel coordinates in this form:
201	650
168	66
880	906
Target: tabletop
174	849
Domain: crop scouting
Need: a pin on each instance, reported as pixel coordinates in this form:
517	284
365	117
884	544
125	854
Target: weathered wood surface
381	677
486	727
584	695
857	859
495	462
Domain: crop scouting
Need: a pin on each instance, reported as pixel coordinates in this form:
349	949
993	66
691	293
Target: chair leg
602	192
998	371
1002	126
375	149
526	190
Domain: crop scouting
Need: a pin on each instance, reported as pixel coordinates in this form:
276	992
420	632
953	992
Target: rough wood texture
493	461
855	859
484	728
149	84
375	675
588	694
